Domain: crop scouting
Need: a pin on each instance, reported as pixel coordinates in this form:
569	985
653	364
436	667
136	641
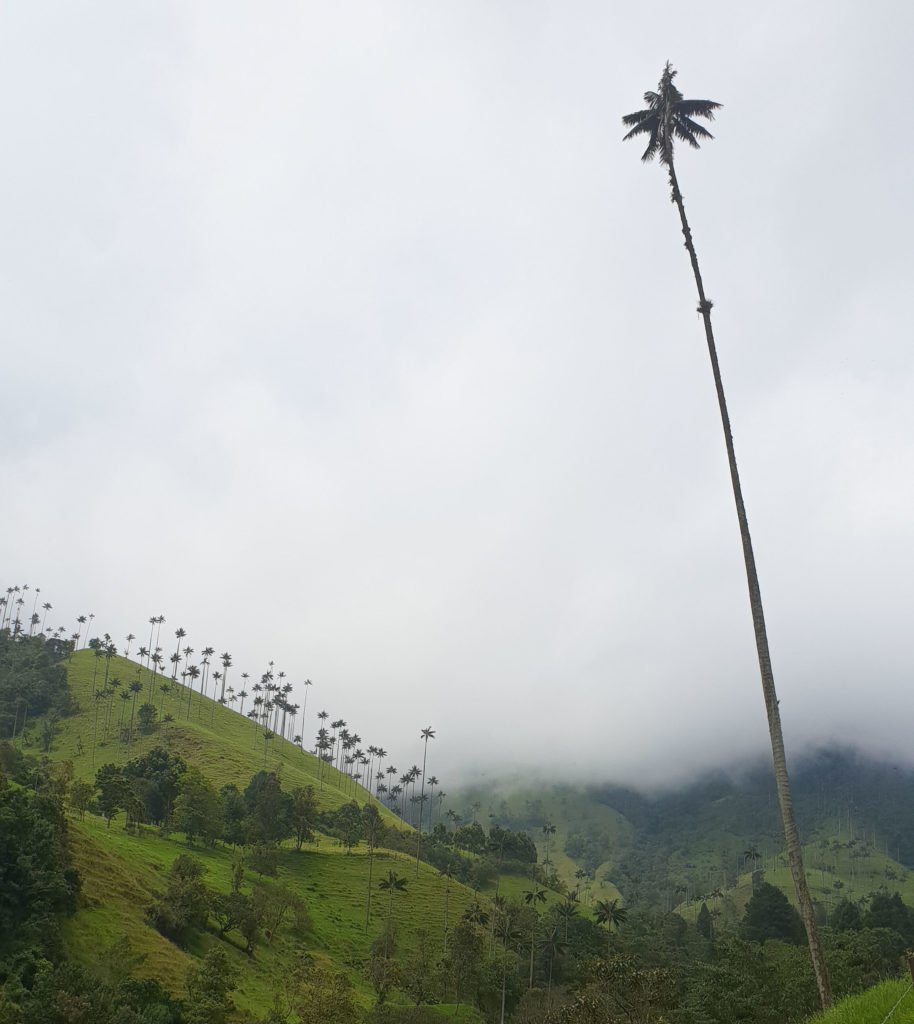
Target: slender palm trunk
782	782
421	802
368	899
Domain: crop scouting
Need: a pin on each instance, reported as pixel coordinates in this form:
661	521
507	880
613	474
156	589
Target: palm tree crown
668	116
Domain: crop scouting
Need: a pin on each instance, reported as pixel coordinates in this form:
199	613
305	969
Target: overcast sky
351	336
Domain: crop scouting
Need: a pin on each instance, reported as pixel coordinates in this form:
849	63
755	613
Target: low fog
353	338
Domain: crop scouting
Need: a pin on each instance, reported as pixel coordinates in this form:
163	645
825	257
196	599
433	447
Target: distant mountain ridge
697	838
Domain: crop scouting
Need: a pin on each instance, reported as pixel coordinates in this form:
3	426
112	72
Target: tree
611	915
302	811
769	915
348	825
668	117
185	902
322	996
209	989
198	810
112	791
393	883
147	716
268	809
704	924
417	975
427	734
464	960
532	897
553	947
372	830
157	779
82	794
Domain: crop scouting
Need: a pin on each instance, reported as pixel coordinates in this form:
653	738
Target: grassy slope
872	1006
569	809
122	872
858	878
218	740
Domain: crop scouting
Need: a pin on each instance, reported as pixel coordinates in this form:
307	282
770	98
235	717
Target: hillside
122	870
181	823
670	849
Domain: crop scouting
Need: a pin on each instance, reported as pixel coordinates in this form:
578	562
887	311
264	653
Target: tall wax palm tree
226	665
208	652
180	633
553	948
427	734
193	674
508	932
611	915
532	897
669	117
46	607
152	625
130	639
548	831
393	883
307	684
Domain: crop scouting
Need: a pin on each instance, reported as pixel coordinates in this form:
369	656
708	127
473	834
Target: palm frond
682	132
648	124
653	147
639	115
697	108
694	127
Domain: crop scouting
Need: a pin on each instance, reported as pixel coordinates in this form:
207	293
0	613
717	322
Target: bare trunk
791	834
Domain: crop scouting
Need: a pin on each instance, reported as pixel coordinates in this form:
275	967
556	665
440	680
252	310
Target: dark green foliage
470	837
82	794
348	825
231	912
234	813
846	917
268	810
463	964
157	779
146	717
887	911
114	792
184	904
37	880
510	847
303	812
69	994
704	924
264	859
31	684
751	984
770	915
198	810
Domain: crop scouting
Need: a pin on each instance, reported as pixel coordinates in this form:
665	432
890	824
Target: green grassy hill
575	815
123	871
874	1006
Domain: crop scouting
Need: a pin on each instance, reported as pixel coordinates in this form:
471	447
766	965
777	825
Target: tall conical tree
669	117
